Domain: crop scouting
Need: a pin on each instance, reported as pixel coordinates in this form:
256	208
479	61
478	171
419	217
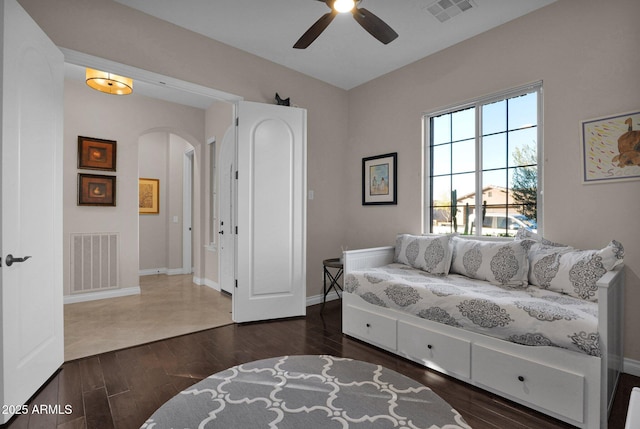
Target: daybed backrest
529	259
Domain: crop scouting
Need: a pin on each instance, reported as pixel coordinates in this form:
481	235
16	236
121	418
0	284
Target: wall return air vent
444	10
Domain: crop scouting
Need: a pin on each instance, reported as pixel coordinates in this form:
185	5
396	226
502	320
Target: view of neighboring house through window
482	171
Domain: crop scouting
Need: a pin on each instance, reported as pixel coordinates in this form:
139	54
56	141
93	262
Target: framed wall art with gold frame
149	196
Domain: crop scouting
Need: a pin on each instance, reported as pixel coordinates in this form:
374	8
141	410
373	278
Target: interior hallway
166	307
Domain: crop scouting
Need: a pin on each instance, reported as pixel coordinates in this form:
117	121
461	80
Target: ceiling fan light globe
343	6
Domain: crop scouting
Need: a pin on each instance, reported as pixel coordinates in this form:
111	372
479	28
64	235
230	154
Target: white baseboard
152	271
167	271
631	366
317	299
92	296
206	282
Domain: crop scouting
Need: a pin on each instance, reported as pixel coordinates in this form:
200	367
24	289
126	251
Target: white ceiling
344	55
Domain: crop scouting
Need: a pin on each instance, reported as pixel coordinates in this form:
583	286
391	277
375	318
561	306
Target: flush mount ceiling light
108	82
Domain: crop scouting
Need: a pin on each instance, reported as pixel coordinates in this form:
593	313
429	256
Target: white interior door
271	212
226	241
31	211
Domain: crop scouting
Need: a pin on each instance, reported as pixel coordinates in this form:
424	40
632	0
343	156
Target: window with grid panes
482	171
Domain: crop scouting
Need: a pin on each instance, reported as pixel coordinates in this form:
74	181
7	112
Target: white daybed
574	387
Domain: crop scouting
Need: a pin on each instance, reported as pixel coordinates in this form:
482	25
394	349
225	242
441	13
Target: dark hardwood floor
122	389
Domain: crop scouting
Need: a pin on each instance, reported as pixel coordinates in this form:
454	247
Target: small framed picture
149	196
379	179
96	154
96	190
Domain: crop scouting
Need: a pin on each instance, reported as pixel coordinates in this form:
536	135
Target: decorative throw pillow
430	253
502	263
525	234
571	271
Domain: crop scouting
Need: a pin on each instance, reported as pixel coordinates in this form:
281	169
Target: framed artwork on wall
379	179
96	154
148	196
96	190
611	148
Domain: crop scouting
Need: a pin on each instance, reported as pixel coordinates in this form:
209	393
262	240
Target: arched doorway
165	236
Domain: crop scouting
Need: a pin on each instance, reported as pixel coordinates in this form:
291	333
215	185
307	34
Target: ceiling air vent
444	10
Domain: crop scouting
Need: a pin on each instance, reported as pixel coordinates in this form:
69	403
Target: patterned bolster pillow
430	253
496	262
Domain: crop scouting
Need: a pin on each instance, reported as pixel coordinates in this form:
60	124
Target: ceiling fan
370	22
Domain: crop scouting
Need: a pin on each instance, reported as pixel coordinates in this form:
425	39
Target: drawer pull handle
368	325
429	346
521	378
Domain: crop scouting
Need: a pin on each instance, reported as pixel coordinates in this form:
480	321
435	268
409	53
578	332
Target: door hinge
236	174
236	283
236	230
237	121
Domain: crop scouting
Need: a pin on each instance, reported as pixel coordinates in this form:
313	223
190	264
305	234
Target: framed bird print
611	148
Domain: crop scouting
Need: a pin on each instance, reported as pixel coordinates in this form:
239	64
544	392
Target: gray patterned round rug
307	392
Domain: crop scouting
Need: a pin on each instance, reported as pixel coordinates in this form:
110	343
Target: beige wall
93	114
115	32
586	54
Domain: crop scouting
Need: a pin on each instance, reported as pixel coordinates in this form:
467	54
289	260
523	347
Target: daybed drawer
370	327
551	388
435	350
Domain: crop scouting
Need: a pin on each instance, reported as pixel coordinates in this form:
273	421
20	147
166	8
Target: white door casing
226	239
187	216
31	211
271	212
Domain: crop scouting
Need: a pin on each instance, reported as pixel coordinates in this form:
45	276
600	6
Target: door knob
221	232
9	260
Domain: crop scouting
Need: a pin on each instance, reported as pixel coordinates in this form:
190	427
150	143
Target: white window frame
478	103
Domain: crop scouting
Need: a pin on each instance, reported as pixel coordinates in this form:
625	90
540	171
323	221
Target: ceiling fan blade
315	30
374	25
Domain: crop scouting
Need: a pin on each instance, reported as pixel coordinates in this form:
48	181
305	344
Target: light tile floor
167	306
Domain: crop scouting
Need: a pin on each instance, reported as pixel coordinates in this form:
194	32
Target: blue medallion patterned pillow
571	271
501	263
430	253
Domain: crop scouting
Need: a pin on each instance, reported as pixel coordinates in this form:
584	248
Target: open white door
227	240
271	212
31	211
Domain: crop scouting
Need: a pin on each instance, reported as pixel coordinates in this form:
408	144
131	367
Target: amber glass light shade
108	82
